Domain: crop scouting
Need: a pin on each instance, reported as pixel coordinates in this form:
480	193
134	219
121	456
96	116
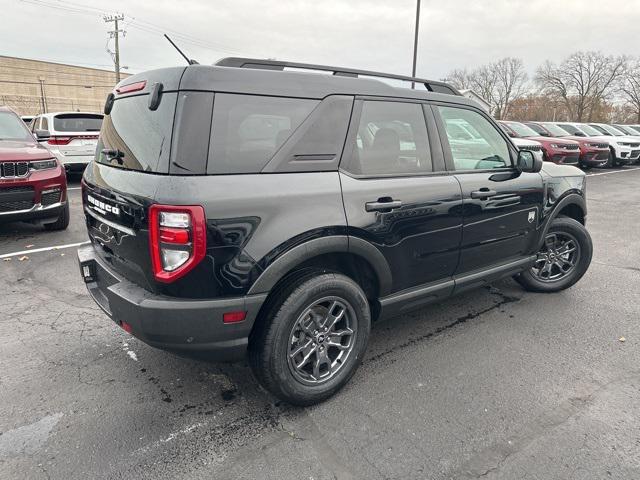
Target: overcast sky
369	34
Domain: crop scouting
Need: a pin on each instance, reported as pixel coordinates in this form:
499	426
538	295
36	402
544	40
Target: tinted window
569	128
487	149
537	128
391	139
12	128
141	136
77	122
248	129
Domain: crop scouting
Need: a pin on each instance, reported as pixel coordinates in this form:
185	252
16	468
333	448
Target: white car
70	136
621	151
624	140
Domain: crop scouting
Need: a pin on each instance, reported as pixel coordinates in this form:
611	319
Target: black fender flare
570	199
319	246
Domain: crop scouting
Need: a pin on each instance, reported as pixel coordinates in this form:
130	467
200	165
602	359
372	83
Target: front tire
311	339
62	222
611	162
563	259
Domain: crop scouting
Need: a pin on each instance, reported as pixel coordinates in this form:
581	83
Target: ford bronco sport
258	207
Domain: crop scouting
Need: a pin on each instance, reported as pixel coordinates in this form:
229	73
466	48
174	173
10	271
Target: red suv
593	152
556	150
33	185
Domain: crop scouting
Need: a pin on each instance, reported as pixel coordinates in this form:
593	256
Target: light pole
415	43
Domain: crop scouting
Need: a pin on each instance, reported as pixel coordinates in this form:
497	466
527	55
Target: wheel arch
353	251
572	206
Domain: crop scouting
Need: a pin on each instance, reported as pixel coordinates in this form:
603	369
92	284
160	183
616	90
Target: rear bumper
166	322
73	162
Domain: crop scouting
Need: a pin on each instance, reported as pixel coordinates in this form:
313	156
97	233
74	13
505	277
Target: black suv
256	206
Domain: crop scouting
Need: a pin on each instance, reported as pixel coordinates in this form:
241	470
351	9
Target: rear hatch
76	134
120	184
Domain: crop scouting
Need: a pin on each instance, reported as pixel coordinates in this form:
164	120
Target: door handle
483	193
385	204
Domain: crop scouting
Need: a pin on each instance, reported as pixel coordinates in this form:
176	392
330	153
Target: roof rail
239	62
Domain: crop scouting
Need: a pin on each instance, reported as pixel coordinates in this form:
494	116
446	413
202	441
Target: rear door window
77	122
248	130
391	140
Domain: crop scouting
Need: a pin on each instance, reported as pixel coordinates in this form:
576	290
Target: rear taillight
177	239
132	87
59	140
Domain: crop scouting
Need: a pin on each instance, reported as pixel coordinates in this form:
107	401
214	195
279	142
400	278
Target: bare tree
499	83
584	80
483	82
461	79
631	87
511	82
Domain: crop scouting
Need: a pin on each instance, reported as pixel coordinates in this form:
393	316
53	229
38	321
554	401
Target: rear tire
296	326
567	250
62	222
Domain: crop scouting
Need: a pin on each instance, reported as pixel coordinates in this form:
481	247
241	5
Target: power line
137	23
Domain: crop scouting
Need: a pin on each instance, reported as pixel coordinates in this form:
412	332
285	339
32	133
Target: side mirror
528	162
42	135
580	134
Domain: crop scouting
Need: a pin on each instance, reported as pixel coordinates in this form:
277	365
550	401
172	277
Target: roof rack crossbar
239	62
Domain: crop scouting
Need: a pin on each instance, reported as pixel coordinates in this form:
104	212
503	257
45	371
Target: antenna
189	61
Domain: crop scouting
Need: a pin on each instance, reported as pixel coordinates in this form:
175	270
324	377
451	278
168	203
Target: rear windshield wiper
113	154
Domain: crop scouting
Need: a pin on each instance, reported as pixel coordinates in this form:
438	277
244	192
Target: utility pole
115	34
43	98
415	43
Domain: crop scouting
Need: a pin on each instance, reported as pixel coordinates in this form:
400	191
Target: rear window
136	138
248	130
77	122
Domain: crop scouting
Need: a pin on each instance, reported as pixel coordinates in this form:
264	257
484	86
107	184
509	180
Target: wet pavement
497	384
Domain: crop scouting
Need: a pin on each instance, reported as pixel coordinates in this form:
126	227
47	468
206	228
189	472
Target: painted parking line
611	173
44	249
74	188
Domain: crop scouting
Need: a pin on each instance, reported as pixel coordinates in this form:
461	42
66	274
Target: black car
256	206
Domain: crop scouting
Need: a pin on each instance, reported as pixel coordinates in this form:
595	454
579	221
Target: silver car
70	136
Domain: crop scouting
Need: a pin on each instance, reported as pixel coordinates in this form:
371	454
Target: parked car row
582	144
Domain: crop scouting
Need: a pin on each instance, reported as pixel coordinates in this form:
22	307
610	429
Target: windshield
522	130
609	130
588	130
633	130
77	122
12	128
626	130
555	130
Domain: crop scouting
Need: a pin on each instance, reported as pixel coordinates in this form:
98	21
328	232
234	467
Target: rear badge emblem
532	216
102	207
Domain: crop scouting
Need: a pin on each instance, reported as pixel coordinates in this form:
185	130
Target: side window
248	129
391	139
44	123
485	148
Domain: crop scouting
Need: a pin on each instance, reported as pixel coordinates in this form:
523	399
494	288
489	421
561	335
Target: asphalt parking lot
497	384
